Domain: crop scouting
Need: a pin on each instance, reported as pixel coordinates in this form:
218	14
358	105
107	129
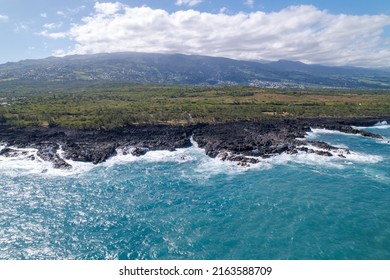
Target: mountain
191	70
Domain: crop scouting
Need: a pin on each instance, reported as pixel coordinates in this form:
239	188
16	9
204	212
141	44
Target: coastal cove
184	204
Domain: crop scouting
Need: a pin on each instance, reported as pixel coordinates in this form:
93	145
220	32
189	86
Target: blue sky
346	32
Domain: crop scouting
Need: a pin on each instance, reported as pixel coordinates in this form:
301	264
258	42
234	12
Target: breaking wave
28	162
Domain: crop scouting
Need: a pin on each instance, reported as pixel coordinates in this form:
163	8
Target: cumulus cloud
302	33
3	17
188	2
108	8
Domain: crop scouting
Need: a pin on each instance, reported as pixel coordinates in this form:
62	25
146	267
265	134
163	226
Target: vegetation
178	69
105	106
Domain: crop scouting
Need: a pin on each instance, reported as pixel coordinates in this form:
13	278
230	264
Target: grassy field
105	106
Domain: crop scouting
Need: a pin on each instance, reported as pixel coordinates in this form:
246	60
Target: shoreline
244	142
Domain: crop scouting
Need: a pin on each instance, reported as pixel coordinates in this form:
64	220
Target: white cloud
3	18
61	13
44	15
52	25
302	33
52	35
223	10
188	2
249	3
108	8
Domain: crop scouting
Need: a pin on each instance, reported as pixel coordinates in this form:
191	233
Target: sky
345	32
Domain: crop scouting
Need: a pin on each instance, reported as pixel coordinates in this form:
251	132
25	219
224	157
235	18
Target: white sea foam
382	123
213	166
28	162
22	162
341	157
334	161
179	155
216	166
78	167
385	140
201	163
306	159
343	154
337	151
378	125
325	131
316	133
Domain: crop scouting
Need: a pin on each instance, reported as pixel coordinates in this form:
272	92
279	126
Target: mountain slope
190	70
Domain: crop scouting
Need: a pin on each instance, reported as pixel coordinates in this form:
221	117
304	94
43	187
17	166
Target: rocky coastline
244	142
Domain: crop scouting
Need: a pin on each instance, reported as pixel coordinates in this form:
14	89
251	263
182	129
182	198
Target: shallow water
185	205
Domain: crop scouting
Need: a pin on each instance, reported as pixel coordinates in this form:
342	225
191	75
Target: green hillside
178	69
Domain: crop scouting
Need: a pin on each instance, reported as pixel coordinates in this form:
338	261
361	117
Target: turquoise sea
185	205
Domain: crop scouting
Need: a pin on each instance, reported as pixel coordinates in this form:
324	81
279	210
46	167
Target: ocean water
185	205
